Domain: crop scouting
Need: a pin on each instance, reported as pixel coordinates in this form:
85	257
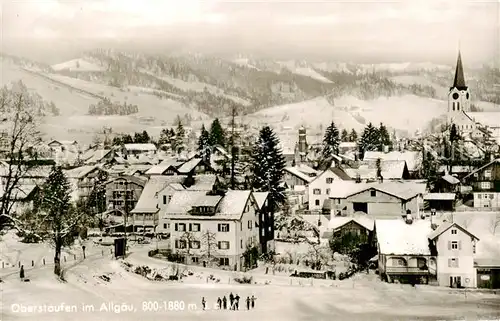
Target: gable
380	196
321	178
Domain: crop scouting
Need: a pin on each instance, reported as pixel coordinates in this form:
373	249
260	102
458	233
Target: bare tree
19	136
209	245
188	238
318	254
494	223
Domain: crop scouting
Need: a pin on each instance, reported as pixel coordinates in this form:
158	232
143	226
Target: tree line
106	107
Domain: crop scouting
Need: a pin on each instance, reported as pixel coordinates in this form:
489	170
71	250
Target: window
327	191
316	191
194	244
453	262
180	227
224	261
250	224
223	227
165	225
487	173
164	199
398	262
180	244
492	196
194	259
485	185
223	245
316	202
263	232
241	243
194	227
479	195
329	180
169	198
454	231
474	248
373	193
454	245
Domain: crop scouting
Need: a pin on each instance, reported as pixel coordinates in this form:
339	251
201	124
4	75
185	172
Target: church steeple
459	82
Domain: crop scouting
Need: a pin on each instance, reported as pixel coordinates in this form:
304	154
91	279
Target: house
21	198
293	176
166	167
488	273
447	184
137	149
83	179
319	188
387	199
457	171
99	156
63	145
265	222
403	251
390	170
212	229
412	159
220	159
28	175
440	201
455	248
485	182
194	166
360	226
145	212
348	147
123	192
128	170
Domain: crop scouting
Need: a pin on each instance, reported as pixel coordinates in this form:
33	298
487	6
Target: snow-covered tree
267	167
353	136
369	140
180	136
203	144
331	141
60	217
344	137
430	168
217	135
384	137
209	246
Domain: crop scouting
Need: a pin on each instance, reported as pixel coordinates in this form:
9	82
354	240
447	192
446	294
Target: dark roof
340	173
459	81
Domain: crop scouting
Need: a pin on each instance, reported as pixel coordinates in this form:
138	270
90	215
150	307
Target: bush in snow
244	280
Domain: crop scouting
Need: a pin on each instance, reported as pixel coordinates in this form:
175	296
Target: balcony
406	270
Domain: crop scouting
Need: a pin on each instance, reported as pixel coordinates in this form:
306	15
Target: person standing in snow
219	303
248	303
253	301
224	302
237	302
21	273
203	302
231	301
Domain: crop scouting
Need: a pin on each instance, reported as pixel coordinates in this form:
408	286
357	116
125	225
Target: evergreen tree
54	205
384	137
203	144
127	139
96	201
369	140
180	135
117	141
267	167
353	136
344	136
145	137
430	170
217	135
331	141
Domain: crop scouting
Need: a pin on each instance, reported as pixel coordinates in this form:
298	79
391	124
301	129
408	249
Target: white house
212	229
455	255
320	187
137	149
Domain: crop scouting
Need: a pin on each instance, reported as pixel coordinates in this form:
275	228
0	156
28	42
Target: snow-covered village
152	183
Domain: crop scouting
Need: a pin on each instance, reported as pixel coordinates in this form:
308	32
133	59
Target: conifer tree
331	141
203	144
344	136
267	166
217	135
369	139
180	135
54	207
384	137
430	170
353	136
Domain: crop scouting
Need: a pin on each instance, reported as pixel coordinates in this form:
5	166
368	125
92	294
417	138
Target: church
467	122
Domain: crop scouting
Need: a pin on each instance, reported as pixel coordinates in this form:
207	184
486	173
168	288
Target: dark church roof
459	81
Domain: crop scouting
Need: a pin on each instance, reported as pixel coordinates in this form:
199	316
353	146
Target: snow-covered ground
78	65
99	284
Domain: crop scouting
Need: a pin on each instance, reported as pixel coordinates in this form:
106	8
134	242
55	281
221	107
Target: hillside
405	113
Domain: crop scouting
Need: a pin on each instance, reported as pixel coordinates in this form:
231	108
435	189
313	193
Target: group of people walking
234	302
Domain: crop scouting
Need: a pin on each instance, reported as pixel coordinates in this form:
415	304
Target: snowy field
100	288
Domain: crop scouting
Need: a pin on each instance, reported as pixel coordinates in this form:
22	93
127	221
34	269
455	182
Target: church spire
459	81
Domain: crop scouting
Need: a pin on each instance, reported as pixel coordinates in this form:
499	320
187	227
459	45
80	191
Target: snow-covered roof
95	156
451	179
348	145
487	263
339	221
148	202
141	181
306	169
391	169
343	189
296	172
234	203
204	182
20	192
140	147
79	172
260	198
413	159
443	227
189	166
396	237
163	166
439	196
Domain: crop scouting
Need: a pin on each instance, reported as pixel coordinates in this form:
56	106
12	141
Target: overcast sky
413	30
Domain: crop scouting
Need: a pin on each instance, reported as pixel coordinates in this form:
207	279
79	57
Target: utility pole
233	149
125	219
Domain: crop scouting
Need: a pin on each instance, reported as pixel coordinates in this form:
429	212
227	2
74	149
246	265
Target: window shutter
459	245
176	242
449	245
190	227
218	227
449	262
176	227
218	245
227	245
